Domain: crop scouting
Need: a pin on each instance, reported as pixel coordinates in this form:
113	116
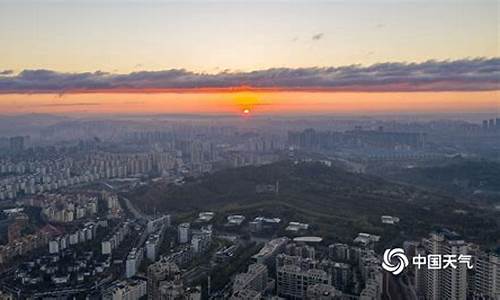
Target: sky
206	56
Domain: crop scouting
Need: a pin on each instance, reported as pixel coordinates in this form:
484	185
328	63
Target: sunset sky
271	57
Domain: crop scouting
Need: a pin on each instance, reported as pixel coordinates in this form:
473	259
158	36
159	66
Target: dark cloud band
481	74
6	72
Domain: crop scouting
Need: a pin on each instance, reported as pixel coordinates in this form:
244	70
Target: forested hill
321	195
459	176
309	180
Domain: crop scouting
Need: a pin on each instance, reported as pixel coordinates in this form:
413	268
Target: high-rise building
295	274
486	279
267	254
126	290
171	289
156	224
339	251
341	275
54	246
201	242
323	292
157	272
183	232
134	259
16	144
491	124
485	125
255	278
247	294
446	283
174	289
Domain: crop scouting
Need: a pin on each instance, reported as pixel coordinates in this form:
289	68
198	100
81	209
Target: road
135	212
131	208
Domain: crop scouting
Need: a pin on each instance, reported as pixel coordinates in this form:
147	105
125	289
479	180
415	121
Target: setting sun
247	101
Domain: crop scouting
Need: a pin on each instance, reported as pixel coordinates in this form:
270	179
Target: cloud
6	72
480	74
317	37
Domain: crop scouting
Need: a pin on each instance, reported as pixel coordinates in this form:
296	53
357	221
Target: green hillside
476	181
338	203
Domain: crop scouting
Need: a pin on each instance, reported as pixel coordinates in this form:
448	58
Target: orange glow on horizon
256	102
246	101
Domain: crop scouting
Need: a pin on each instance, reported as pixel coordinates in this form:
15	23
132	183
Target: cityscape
195	210
241	150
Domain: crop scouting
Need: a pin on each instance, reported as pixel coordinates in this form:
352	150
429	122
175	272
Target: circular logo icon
395	260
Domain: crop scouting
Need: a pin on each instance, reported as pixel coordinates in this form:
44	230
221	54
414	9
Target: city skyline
249	150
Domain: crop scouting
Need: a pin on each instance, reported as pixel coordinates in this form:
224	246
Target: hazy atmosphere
249	150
